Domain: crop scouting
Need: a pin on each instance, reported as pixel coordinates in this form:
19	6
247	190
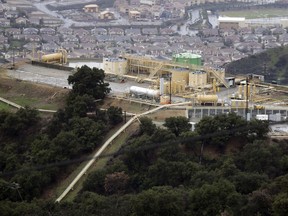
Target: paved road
42	7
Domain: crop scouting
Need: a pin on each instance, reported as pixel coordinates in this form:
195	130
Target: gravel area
59	78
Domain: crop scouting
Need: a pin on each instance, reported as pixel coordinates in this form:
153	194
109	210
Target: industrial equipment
144	92
188	68
59	57
207	99
188	58
259	107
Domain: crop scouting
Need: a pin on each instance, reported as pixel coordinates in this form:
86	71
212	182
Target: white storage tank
140	91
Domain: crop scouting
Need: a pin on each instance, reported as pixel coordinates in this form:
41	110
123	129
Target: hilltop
273	64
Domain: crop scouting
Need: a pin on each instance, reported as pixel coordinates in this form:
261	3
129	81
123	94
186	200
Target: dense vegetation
27	141
273	64
227	166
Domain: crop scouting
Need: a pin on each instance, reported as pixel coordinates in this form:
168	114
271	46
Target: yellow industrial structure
59	57
115	66
182	75
245	92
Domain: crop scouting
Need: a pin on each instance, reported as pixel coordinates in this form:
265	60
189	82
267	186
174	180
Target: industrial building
182	74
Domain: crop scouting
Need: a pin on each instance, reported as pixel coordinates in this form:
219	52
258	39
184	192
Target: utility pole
247	98
265	69
170	88
13	64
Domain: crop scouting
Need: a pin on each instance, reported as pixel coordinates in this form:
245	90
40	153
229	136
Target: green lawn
256	13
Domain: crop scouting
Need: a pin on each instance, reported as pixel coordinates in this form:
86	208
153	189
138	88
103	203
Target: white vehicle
262	117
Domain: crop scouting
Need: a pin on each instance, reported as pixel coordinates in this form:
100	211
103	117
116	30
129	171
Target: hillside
273	64
35	95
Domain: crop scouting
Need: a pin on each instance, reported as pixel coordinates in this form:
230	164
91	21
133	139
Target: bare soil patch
126	105
161	115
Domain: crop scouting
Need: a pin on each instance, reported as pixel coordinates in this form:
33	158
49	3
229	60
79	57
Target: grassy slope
274	60
31	94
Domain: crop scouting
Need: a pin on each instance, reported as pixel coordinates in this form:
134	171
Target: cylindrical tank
207	98
151	93
52	57
188	58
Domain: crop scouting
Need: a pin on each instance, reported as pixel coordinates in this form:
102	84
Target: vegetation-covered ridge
27	141
273	64
237	171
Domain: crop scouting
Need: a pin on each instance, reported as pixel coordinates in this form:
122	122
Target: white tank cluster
144	92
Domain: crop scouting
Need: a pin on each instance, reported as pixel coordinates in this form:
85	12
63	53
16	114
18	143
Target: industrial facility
181	75
184	78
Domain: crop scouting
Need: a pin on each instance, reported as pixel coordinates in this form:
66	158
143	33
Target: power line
133	150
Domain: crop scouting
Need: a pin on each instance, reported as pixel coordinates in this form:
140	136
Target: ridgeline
273	64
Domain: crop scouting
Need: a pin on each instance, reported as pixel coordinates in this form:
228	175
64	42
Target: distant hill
273	64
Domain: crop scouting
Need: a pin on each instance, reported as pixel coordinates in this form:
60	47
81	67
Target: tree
147	126
258	129
177	125
89	81
280	205
159	201
259	203
58	122
116	182
65	146
12	124
211	199
88	132
89	203
95	182
221	128
114	115
246	183
173	173
79	105
260	157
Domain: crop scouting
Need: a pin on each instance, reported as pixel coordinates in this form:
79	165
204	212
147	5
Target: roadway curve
43	7
106	144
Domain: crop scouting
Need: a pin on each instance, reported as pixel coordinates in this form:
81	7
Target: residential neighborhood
135	27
